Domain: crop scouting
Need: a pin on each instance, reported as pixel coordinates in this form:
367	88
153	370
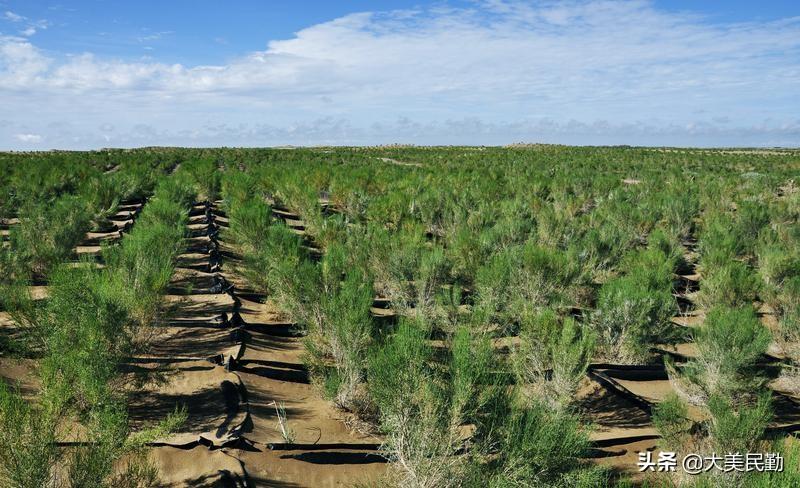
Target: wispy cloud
32	26
593	71
34	138
13	17
155	36
61	8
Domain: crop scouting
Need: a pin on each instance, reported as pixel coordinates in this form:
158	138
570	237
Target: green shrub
472	382
718	243
789	297
544	274
493	287
413	410
552	357
779	267
678	207
724	379
788	478
86	327
331	301
738	428
726	237
86	337
729	345
667	244
107	431
635	310
671	419
600	248
238	187
733	284
408	271
28	451
431	274
751	217
521	280
344	333
296	288
651	268
102	196
111	456
532	445
630	317
15	298
48	232
776	264
332	230
542	447
141	268
206	175
249	222
134	182
398	369
787	335
271	266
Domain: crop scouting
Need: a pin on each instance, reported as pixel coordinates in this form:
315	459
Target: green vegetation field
397	316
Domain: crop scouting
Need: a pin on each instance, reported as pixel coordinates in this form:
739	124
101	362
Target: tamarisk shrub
423	410
729	344
28	451
48	232
630	317
552	357
634	310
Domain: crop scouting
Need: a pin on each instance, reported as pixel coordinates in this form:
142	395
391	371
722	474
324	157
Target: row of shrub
723	402
44	177
444	413
54	216
490	246
92	321
470	245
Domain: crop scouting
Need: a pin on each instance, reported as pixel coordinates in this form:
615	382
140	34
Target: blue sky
94	73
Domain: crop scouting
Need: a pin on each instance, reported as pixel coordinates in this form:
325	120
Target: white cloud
21	64
580	67
28	137
340	131
13	17
153	37
32	26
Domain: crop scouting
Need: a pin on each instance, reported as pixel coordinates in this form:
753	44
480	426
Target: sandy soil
232	433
